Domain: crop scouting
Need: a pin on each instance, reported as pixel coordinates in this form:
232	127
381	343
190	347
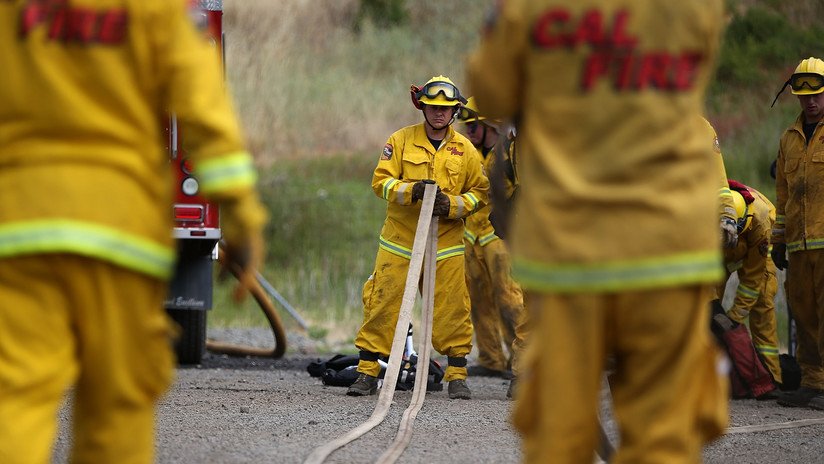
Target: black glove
441	205
779	255
417	190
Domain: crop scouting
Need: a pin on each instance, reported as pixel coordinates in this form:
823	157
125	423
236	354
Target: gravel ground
235	410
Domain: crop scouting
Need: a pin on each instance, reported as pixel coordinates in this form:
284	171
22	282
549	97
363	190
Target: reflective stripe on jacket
83	168
409	157
626	196
799	200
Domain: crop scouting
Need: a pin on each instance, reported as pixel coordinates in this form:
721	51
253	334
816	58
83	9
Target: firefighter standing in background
85	227
799	229
432	150
615	238
757	283
497	301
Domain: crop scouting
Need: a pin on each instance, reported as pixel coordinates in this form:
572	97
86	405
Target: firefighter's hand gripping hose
248	282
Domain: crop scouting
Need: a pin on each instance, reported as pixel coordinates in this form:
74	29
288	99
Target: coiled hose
272	316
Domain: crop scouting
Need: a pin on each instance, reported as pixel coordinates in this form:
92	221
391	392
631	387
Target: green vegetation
320	85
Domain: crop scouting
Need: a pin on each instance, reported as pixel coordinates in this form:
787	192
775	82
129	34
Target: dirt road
261	410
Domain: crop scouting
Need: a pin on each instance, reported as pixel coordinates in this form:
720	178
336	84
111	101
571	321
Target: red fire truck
196	226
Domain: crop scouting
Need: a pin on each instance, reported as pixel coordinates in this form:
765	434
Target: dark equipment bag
341	371
749	377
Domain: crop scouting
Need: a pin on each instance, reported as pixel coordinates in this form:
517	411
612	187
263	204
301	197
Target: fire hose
425	244
259	294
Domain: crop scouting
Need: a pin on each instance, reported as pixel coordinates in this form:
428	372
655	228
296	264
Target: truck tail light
188	213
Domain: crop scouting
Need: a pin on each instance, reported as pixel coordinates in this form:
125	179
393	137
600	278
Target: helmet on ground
742	210
808	78
440	91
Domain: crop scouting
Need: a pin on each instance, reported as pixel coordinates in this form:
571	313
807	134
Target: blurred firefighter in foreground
798	235
757	282
615	236
497	300
726	209
431	150
85	214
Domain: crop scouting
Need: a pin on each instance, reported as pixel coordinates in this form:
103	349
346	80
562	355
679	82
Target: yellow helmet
440	91
808	78
469	112
742	210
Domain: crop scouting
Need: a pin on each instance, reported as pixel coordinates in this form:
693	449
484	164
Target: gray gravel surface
243	410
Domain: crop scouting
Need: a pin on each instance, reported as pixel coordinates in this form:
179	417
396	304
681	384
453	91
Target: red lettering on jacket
615	55
455	151
74	24
556	28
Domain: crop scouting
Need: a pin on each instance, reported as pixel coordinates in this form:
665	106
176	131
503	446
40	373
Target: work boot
458	390
364	385
800	398
510	392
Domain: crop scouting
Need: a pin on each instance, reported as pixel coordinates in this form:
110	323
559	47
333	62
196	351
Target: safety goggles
449	91
467	115
810	81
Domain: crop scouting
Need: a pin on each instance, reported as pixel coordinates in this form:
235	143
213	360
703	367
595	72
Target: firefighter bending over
430	150
497	301
615	240
86	248
757	282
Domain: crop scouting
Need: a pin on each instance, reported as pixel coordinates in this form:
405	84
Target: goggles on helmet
811	81
449	91
467	115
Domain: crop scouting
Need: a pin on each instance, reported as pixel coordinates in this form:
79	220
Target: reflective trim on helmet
226	172
87	239
387	187
746	292
620	275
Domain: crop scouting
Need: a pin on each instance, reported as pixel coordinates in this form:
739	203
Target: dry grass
306	85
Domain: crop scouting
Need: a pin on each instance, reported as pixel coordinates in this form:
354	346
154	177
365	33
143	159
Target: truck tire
191	343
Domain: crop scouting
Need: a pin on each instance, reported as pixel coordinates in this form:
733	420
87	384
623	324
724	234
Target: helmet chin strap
451	120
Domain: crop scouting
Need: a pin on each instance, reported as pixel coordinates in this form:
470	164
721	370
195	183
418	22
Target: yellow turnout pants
669	397
497	302
69	320
762	322
805	282
382	295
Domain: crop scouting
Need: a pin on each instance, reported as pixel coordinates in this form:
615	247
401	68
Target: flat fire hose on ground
422	237
272	317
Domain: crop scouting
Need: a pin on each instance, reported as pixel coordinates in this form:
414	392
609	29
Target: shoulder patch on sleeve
387	152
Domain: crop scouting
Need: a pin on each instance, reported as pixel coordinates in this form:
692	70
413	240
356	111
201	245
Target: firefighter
757	282
496	300
86	248
727	211
798	235
615	240
431	150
